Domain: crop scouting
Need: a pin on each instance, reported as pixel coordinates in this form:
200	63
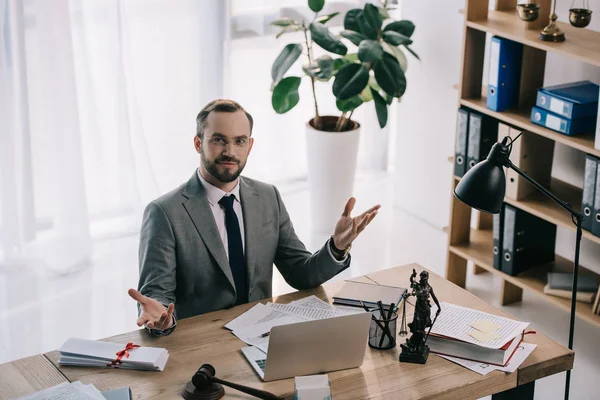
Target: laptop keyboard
262	364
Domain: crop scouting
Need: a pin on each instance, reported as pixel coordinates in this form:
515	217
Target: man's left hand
348	228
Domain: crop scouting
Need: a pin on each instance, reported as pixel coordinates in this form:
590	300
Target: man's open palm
348	227
154	315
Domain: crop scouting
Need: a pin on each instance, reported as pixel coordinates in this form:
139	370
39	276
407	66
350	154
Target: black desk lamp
483	188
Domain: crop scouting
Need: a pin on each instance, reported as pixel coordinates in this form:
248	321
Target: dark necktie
237	263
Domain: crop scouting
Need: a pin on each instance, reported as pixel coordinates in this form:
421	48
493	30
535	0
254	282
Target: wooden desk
28	375
203	339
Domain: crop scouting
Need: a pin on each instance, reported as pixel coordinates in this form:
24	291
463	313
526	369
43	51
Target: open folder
93	353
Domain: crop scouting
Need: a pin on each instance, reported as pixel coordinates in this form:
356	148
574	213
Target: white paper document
254	334
521	354
308	313
67	391
455	322
256	315
96	353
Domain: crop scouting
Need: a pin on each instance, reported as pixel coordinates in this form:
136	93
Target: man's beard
227	175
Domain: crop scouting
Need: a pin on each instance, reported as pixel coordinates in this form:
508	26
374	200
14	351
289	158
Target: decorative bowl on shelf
529	11
580	17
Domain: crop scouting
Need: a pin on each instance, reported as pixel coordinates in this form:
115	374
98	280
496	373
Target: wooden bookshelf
522	120
581	44
479	251
475	245
544	208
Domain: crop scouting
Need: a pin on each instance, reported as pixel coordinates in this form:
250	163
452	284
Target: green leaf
324	38
369	50
383	13
349	104
388	99
323	19
398	53
351	20
380	109
389	75
350	80
285	95
369	21
352	36
283	22
412	52
395	38
339	63
321	68
284	60
352	57
366	95
316	5
370	31
403	27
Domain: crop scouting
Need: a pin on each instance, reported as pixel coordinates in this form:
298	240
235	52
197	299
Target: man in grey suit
212	242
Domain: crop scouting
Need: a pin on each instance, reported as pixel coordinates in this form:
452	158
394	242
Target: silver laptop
312	347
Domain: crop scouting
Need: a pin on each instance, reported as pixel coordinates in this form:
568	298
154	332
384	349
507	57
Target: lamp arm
545	191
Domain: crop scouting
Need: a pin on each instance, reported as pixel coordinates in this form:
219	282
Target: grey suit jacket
183	260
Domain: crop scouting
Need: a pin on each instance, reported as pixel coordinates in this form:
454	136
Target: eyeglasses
221	142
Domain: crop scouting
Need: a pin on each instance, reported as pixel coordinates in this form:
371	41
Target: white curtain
98	103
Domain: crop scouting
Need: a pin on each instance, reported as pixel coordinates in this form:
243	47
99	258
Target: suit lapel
198	208
251	209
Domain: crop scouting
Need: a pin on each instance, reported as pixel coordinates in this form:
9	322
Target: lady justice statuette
415	349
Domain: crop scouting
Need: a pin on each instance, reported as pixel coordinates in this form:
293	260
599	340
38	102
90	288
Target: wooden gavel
205	377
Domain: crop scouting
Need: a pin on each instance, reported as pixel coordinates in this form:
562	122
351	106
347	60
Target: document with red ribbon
94	353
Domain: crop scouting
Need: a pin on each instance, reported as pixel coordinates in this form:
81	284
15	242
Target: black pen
364	306
265	334
381	312
391	311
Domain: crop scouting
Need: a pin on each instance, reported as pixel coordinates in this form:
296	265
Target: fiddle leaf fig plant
372	71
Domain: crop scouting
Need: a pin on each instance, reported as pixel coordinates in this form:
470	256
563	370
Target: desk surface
203	339
28	375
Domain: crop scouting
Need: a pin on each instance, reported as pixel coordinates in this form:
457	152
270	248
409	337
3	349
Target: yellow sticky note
483	337
485	326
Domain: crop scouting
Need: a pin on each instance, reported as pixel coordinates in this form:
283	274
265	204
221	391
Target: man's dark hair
219	105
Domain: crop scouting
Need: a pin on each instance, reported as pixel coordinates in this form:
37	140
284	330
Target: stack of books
560	284
571	108
474	335
93	353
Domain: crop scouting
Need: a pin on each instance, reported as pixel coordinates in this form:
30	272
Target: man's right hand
154	315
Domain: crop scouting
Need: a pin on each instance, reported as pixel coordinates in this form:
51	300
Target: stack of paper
254	325
66	390
93	353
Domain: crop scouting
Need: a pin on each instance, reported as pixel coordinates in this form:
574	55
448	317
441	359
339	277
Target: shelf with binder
521	119
581	44
478	249
544	208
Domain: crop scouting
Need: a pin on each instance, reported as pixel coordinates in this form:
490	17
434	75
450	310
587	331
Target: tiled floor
39	312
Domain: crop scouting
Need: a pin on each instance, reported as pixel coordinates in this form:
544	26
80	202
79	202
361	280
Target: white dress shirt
214	194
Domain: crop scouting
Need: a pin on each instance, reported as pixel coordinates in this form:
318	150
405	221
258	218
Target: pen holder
382	332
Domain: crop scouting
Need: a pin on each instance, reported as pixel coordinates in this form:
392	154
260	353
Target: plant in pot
374	71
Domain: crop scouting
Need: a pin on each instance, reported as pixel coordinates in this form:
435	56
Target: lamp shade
483	187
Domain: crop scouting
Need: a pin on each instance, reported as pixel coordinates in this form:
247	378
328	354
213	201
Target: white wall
427	116
427	112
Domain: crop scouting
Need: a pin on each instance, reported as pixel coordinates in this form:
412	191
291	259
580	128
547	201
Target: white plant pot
331	171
